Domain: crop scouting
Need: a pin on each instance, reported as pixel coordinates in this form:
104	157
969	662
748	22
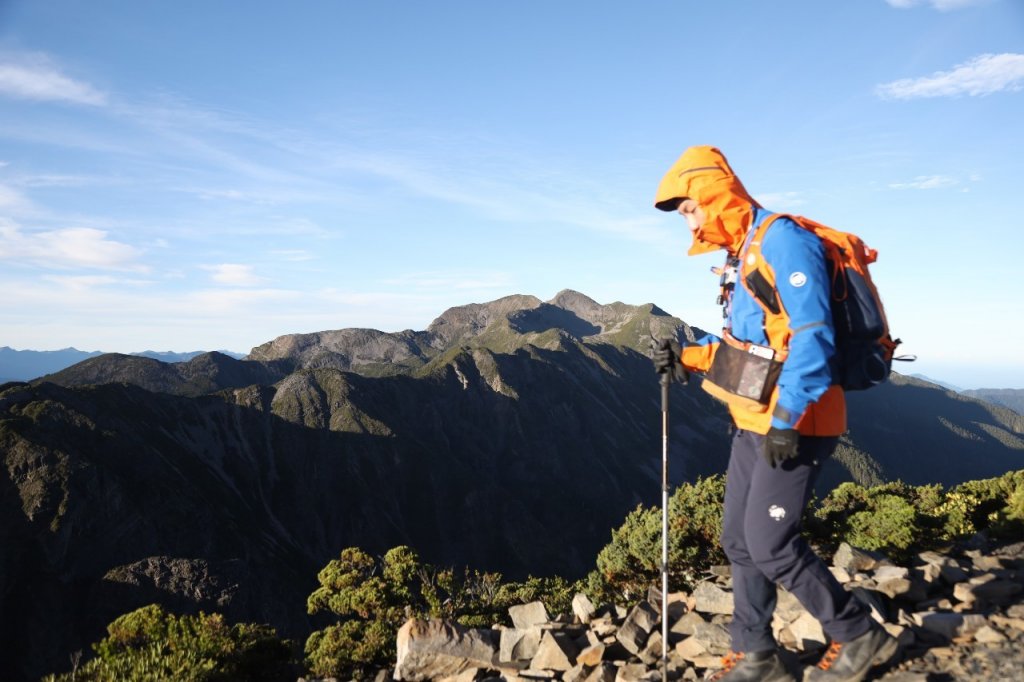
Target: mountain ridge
25	365
514	444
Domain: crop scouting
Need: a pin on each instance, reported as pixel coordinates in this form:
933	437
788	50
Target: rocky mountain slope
509	436
958	616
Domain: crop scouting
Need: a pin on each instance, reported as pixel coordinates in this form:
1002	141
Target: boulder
637	626
518	645
592	655
583	608
605	672
807	633
435	649
853	560
686	625
714	637
950	625
710	598
556	652
652	651
525	616
690	649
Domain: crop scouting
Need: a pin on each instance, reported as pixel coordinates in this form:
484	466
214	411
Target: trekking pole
666	379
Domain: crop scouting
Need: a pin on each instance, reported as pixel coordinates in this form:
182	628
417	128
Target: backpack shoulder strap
756	276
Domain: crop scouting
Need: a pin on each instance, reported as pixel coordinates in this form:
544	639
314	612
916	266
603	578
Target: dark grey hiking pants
761	537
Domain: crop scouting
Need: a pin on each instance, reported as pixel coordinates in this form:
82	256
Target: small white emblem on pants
776	512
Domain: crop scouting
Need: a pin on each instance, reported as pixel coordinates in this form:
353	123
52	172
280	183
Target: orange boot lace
830	656
729	662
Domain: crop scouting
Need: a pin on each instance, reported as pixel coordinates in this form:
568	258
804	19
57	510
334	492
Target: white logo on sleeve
798	279
776	512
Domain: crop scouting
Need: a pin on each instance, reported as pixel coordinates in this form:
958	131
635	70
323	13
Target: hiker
773	368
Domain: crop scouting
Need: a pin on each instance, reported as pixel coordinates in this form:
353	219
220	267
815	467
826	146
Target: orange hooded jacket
703	174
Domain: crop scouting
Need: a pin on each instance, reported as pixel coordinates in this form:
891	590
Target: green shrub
370	598
150	644
632	561
889	525
993	505
373	598
895	518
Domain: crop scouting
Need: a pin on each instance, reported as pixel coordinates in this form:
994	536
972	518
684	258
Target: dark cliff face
512	436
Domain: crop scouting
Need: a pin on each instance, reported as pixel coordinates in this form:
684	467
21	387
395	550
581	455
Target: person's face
694	214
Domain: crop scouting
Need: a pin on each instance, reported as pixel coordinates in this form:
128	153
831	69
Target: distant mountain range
24	365
1012	398
509	436
937	382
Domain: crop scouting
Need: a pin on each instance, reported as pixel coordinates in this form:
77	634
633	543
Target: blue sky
212	174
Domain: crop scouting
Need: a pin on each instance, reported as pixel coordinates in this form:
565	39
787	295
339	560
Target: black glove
780	445
666	356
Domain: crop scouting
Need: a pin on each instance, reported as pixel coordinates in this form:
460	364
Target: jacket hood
703	174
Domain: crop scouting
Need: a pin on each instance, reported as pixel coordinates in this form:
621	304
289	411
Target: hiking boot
759	666
851	661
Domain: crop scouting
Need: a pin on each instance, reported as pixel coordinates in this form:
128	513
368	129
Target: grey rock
853	559
995	591
518	645
434	649
467	675
714	637
636	672
525	616
605	672
592	655
583	608
883	573
949	625
807	633
898	587
712	599
952	573
986	563
556	652
690	649
986	634
637	626
578	673
652	651
787	607
686	625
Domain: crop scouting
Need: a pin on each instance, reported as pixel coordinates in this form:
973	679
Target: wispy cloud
927	182
419	281
11	199
80	283
234	274
73	247
941	5
983	75
521	191
781	200
34	77
292	255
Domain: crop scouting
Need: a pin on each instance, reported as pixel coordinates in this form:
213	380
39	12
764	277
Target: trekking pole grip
666	380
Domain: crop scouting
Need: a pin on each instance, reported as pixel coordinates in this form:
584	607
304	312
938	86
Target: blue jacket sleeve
801	277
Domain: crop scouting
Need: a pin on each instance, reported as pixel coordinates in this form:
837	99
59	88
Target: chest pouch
743	374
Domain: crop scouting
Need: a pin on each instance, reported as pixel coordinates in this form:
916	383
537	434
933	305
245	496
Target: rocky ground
957	617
